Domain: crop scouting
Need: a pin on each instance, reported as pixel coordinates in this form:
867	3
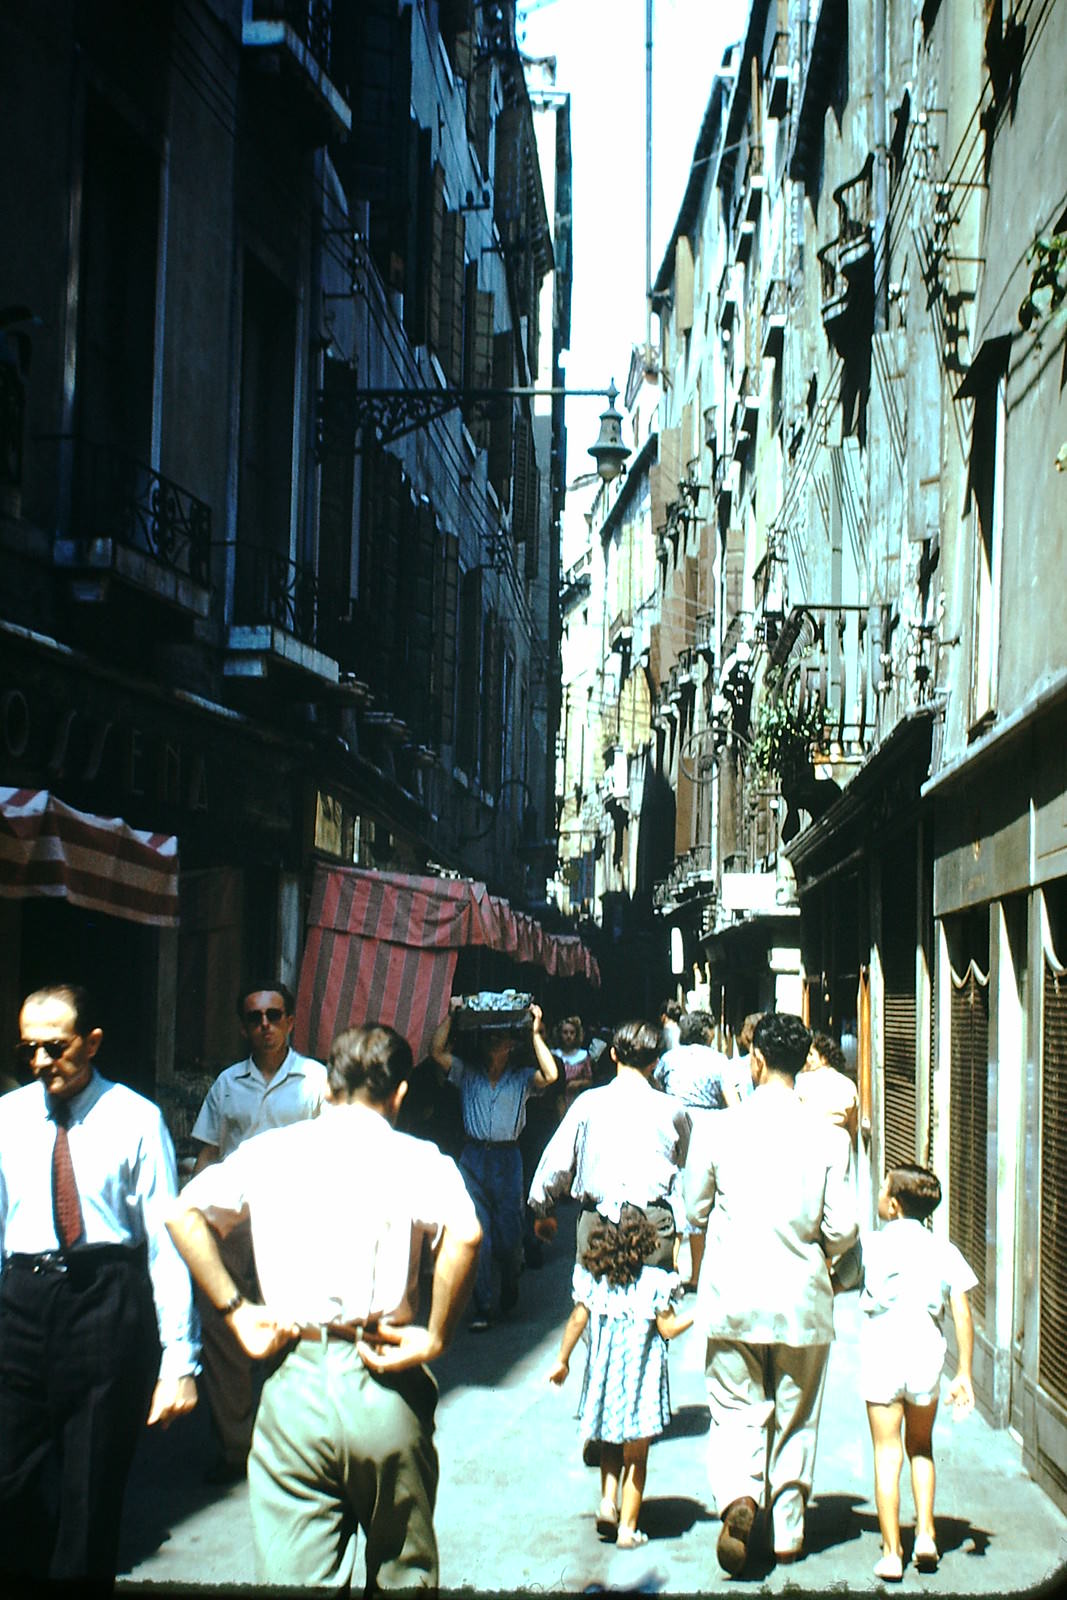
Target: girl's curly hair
618	1251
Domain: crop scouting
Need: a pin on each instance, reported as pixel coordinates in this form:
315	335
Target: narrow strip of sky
599	46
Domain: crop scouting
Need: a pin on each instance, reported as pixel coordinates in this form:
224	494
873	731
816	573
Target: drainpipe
881	176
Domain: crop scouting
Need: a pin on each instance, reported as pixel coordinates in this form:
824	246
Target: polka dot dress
625	1393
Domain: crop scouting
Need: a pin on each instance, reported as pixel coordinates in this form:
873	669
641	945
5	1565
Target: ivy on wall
1045	303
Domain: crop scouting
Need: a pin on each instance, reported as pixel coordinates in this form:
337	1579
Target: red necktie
66	1205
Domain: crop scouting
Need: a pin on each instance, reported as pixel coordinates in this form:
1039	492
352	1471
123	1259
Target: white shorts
900	1359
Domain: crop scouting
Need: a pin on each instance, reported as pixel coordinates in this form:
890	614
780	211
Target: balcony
746	412
833	664
775	313
704	642
727	301
691	881
276	620
129	526
621	631
292	42
854	210
776	77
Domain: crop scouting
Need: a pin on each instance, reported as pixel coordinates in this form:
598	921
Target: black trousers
79	1356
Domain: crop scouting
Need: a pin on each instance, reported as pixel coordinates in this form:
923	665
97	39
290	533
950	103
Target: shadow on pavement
669	1516
166	1486
833	1519
688	1422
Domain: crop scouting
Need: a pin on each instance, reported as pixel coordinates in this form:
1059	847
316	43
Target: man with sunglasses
97	1327
273	1087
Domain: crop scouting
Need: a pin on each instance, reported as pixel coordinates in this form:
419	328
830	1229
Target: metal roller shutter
968	1125
1052	1298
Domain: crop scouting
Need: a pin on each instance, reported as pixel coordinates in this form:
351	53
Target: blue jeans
493	1175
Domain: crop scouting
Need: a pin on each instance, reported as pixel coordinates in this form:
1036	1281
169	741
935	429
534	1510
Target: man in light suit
769	1181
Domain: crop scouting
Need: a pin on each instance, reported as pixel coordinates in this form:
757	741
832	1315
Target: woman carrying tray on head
494	1089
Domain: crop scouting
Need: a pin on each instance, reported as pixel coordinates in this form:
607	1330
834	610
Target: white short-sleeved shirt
341	1238
908	1269
242	1102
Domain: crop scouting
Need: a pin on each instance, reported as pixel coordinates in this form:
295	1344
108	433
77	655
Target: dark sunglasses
272	1014
53	1049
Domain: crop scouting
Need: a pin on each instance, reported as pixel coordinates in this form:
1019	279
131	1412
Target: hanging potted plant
783	737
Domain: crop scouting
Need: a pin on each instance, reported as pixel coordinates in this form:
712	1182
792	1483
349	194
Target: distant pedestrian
703	1080
909	1277
272	1087
572	1058
628	1308
344	1434
494	1087
624	1144
824	1084
97	1329
670	1017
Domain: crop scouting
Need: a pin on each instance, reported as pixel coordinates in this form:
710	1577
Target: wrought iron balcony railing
271	589
114	496
310	20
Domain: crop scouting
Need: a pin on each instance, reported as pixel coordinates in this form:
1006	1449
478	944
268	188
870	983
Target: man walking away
272	1088
344	1435
769	1181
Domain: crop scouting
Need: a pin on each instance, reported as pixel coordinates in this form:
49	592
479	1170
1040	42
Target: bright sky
599	47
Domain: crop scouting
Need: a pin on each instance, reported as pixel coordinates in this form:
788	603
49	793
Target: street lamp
393	412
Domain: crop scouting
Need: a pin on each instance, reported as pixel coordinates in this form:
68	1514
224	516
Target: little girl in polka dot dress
625	1402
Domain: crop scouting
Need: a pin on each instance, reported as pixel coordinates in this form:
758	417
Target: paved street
515	1512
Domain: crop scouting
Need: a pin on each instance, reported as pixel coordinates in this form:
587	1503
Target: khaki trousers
337	1449
764	1401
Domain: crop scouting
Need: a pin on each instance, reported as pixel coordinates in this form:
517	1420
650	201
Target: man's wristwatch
231	1305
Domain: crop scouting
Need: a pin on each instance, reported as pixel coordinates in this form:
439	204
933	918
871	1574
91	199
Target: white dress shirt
340	1207
619	1145
124	1167
242	1102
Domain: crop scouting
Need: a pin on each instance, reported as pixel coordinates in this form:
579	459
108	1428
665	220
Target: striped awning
382	947
99	863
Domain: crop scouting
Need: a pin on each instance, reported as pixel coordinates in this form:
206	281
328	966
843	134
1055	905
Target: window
264	492
470	673
986	384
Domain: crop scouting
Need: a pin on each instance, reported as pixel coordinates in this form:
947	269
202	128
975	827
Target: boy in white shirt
908	1277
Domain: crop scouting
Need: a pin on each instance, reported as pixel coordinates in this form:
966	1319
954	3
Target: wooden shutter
1052	1292
437	228
418	293
491	728
478	335
969	1122
423	714
500	432
468	703
446	639
450	324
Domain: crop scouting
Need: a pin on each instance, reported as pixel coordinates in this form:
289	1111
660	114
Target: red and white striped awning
382	947
99	863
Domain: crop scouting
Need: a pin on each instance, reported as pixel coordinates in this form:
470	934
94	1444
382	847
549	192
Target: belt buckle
50	1261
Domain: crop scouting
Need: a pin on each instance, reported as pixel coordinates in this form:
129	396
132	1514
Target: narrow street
515	1510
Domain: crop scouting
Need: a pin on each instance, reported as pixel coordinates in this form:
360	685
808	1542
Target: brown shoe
732	1548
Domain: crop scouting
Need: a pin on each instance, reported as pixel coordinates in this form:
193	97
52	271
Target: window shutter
424	717
898	940
437	225
968	1124
491	687
450	326
500	433
468	703
446	606
1052	1299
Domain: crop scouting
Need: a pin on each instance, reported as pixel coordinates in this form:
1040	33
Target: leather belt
348	1332
85	1259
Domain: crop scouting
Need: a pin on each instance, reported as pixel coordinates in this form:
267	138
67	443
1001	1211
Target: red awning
382	947
99	863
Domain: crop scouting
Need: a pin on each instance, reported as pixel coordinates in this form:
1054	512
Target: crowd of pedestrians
339	1219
